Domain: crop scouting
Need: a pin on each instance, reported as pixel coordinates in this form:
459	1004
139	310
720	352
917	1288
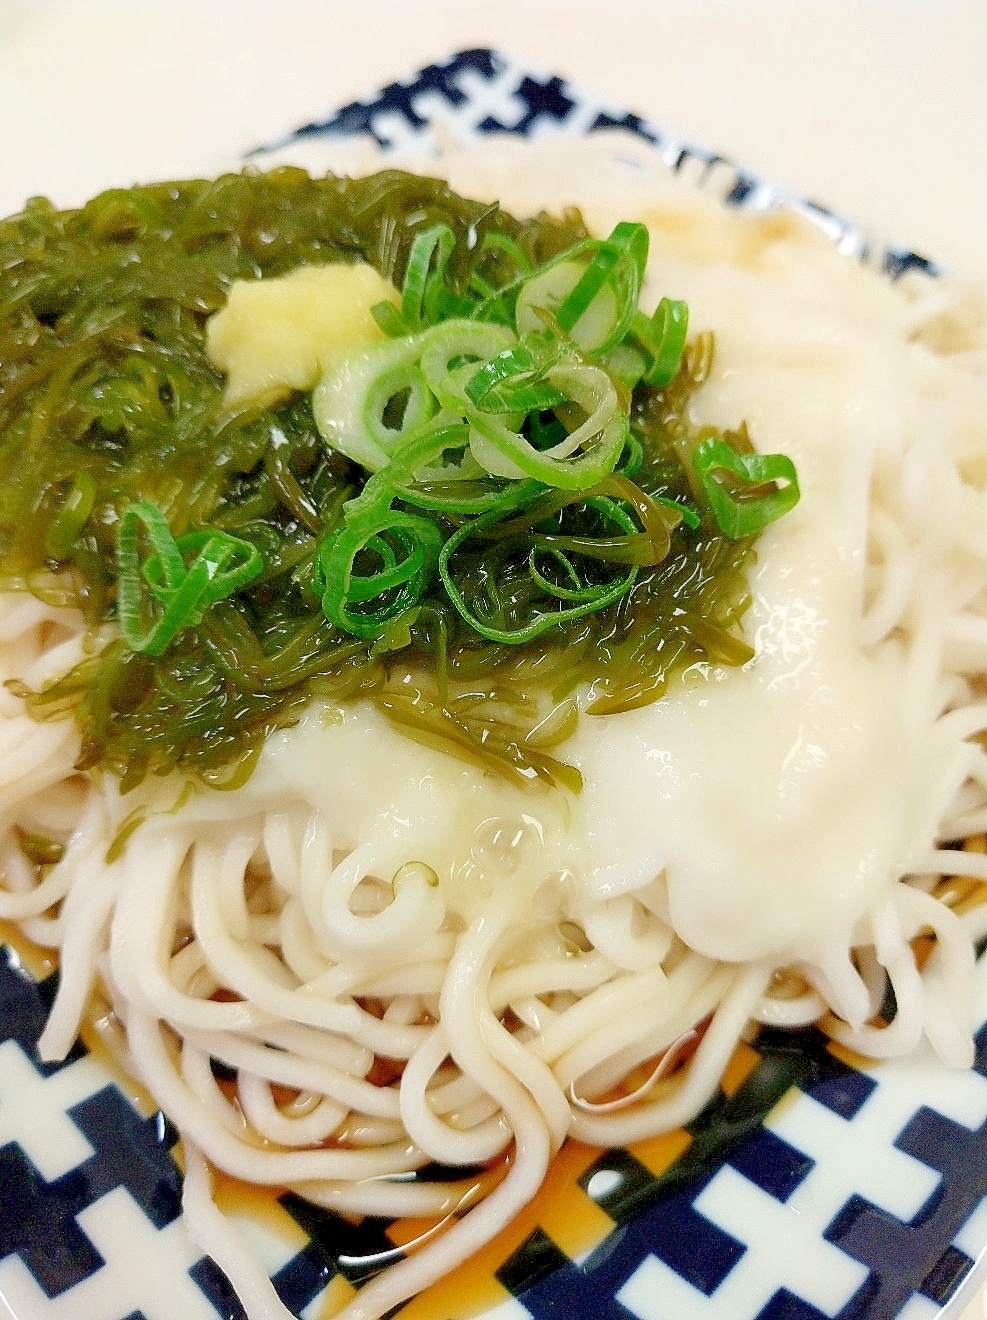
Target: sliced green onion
544	431
617	266
220	565
419	453
625	362
663	336
494	411
513	381
463	499
390	320
452	353
405	546
350	402
632	457
432	247
583	459
768	486
577	592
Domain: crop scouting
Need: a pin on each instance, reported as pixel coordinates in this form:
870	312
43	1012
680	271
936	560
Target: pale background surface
877	108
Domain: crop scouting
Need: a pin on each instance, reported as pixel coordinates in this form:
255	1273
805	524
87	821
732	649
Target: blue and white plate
812	1186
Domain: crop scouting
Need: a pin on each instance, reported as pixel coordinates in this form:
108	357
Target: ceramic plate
812	1186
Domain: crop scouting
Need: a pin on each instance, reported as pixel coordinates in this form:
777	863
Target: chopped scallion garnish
220	565
745	491
522	391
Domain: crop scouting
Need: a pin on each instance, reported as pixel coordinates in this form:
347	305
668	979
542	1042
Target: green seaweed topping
250	567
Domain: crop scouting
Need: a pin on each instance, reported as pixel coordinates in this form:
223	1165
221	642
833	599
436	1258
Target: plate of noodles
493	777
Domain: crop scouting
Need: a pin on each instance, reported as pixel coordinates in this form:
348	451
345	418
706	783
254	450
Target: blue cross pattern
480	91
800	1221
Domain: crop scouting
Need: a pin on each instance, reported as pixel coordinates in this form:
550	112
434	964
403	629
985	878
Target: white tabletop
878	108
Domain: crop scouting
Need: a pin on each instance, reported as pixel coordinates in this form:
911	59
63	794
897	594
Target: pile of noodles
370	1031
